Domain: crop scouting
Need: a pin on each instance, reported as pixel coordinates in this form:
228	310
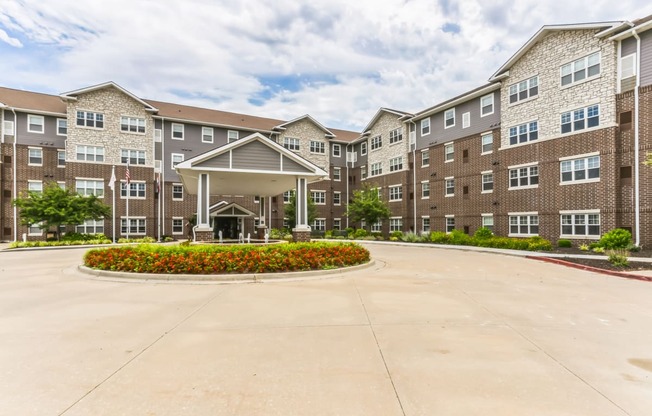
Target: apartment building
552	145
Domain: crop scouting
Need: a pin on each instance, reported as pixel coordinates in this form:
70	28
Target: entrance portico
254	165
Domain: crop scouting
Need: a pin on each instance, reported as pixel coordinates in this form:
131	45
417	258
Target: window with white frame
90	153
88	187
487	143
395	193
177	192
585	169
488	221
256	199
524	133
90	119
425	126
62	184
581	69
35	124
337	198
363	148
286	223
318	197
35	186
317	147
177	131
395	136
287	196
376	168
133	157
337	224
466	120
524	177
487	182
291	143
425	158
177	225
449	118
449	152
232	135
580	224
524	90
425	224
319	224
395	224
627	72
337	150
376	142
132	124
61	158
158	135
487	105
363	172
377	227
35	229
523	224
207	134
136	190
337	174
62	127
90	227
450	223
176	158
425	189
8	128
133	226
395	164
450	186
580	119
35	156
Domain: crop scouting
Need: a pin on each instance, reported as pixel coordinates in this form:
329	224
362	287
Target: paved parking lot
425	331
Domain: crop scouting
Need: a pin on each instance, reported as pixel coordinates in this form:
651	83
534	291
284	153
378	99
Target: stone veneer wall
305	130
545	60
386	123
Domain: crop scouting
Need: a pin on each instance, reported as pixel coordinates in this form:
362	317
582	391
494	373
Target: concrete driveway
426	331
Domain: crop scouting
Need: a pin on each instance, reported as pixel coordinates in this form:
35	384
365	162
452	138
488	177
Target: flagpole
158	194
112	183
128	186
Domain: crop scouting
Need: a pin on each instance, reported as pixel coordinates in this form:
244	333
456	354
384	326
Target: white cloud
343	59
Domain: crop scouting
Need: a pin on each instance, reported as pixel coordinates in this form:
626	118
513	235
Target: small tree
367	206
56	206
291	210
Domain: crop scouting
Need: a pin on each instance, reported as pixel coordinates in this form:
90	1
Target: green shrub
618	258
482	233
615	239
459	238
598	250
538	244
633	248
396	234
564	243
410	237
359	233
584	247
439	237
167	239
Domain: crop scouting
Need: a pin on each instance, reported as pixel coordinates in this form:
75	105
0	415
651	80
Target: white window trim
183	131
94	180
389	193
493	105
8	128
42	124
364	148
429	190
429	126
446	195
133	118
524	165
577	236
335	178
337	193
228	134
336	146
380	141
445	146
182	226
122	181
311	191
320	145
587	79
466	120
96	113
454	116
158	135
493	142
64	158
57	127
34	181
35	234
172	155
86	146
212	134
529	98
132	217
582	156
521	214
172	191
42	156
486	172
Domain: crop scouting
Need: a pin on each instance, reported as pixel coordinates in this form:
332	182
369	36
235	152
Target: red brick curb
590	269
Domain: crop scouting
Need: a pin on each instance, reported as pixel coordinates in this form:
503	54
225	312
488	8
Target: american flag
158	183
127	175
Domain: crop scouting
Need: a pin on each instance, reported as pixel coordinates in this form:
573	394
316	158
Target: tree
56	206
291	210
367	206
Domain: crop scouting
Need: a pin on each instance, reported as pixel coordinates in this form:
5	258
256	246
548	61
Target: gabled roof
543	32
344	136
327	132
72	95
32	101
380	111
637	26
231	209
470	95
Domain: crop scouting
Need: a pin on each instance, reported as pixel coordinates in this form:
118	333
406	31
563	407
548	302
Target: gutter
637	180
15	185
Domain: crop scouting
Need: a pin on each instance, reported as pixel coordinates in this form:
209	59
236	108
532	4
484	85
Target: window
291	143
395	164
488	221
425	189
35	229
62	184
581	69
337	174
158	135
580	170
231	136
90	119
524	90
176	158
256	199
363	148
133	157
377	227
449	118
35	123
337	198
487	105
450	224
207	136
35	186
487	143
62	127
376	142
8	128
395	136
395	224
337	224
133	225
450	186
61	158
90	153
318	197
132	124
466	120
395	193
177	225
177	192
580	225
319	224
88	187
287	196
425	126
136	190
425	224
90	227
35	156
524	224
580	119
376	168
524	133
317	147
449	152
487	182
425	158
627	72
337	150
527	176
363	172
177	131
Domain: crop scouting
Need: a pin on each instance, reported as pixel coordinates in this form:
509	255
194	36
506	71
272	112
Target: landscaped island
220	259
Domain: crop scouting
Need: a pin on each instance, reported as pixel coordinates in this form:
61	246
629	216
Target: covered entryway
229	218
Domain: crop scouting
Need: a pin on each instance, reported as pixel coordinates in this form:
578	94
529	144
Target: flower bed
214	259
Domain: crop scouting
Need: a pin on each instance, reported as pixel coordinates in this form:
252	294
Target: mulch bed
604	264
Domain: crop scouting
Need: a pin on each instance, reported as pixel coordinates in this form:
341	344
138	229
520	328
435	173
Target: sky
337	60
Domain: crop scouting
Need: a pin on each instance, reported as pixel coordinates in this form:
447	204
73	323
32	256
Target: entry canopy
254	165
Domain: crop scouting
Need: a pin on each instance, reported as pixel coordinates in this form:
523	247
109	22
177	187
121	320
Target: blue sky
336	60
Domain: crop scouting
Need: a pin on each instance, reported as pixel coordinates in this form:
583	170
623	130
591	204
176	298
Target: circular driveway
424	331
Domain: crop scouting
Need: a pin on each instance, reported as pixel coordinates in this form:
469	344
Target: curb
590	268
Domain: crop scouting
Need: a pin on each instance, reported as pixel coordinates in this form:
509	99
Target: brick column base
203	235
260	233
301	236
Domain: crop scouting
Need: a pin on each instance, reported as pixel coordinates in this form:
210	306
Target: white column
203	198
261	212
302	205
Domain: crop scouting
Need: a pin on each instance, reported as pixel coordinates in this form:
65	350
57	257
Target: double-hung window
450	223
35	156
177	131
90	119
135	189
524	90
580	224
524	177
449	152
524	133
396	164
425	158
337	198
90	153
232	135
317	147
487	105
425	126
35	124
336	150
585	169
133	157
376	142
133	225
62	127
395	136
376	169
580	119
395	224
132	124
581	69
487	143
449	118
88	187
337	174
207	134
176	158
291	143
425	189
487	182
395	193
177	192
363	148
524	224
450	186
318	197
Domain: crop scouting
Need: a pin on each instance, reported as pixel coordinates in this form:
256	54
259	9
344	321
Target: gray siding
628	47
292	166
255	155
646	58
338	160
49	135
219	161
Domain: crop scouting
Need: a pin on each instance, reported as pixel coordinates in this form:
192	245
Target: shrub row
216	259
27	244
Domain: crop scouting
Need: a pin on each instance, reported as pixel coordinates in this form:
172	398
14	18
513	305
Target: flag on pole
112	180
127	175
158	183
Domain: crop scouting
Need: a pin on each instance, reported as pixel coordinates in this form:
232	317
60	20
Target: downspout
348	198
414	175
637	196
162	190
15	186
